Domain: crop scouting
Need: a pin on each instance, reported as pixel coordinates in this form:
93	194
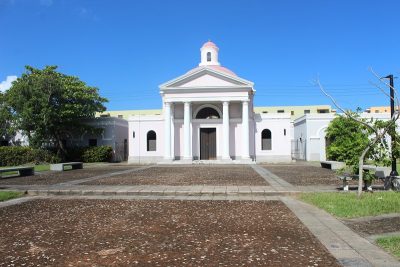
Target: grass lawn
6	195
42	167
391	244
347	205
38	168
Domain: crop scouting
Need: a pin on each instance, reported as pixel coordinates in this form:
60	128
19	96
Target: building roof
214	67
210	44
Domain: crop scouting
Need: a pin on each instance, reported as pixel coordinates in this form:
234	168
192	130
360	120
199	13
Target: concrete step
89	192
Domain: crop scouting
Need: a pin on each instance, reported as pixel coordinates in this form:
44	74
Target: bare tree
378	133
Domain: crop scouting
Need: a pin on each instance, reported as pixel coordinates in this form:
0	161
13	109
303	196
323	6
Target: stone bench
347	177
22	171
60	166
380	172
332	165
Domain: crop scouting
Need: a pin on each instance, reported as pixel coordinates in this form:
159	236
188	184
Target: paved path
348	247
276	183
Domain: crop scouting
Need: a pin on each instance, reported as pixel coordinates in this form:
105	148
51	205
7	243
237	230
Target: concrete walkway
348	247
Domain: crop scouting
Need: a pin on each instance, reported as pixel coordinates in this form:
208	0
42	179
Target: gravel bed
53	177
375	226
304	175
156	233
187	175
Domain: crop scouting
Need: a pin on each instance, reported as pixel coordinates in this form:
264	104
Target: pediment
207	80
204	78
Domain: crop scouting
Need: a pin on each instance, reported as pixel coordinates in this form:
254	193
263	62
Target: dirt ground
156	233
52	177
187	175
374	226
304	175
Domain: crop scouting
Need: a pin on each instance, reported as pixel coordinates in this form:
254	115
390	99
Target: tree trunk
360	170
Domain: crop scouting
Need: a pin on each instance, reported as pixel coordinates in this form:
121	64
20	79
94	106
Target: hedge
97	154
18	155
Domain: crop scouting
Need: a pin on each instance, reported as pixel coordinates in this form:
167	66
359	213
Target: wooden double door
208	143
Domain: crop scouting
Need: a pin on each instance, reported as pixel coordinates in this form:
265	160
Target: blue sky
128	48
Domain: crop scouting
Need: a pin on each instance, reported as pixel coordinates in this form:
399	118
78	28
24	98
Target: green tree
348	138
7	129
48	105
376	147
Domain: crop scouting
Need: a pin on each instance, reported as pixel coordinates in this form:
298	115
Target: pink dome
217	68
210	44
222	69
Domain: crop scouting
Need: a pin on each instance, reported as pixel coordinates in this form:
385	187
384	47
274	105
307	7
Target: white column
167	131
186	132
225	122
245	130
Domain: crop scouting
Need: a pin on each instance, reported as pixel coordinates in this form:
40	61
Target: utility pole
393	135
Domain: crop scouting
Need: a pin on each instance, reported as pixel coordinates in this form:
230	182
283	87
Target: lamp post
393	135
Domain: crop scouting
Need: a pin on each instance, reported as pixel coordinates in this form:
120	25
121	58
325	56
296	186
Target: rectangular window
92	142
306	111
281	111
322	110
292	112
120	116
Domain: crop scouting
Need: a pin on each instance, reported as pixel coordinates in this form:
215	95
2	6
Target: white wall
115	132
311	129
141	125
276	123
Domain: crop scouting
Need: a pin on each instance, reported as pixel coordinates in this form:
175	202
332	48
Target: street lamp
393	135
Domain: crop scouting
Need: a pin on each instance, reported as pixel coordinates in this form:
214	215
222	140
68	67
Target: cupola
209	54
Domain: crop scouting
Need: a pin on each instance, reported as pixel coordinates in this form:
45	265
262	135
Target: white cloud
5	85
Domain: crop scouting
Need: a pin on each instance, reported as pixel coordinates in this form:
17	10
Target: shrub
97	154
74	153
18	155
44	156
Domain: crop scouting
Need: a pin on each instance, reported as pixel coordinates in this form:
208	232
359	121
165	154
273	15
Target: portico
205	116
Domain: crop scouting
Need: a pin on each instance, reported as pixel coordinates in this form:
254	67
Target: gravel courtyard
52	177
187	175
300	174
156	233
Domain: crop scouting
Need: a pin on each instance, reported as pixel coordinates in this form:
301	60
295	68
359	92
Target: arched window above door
208	113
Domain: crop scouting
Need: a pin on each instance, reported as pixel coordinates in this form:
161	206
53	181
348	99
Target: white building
309	142
208	115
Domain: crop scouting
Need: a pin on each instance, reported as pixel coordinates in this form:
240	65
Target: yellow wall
382	109
295	111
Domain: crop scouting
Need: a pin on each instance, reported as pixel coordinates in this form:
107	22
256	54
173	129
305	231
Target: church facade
208	115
